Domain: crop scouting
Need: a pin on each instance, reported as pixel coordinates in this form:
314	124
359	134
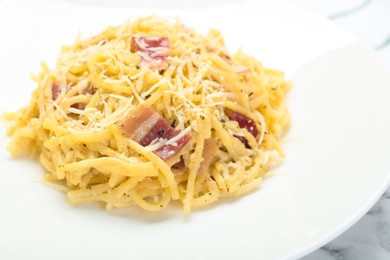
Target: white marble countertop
369	20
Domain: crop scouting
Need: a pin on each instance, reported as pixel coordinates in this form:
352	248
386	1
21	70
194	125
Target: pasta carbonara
150	112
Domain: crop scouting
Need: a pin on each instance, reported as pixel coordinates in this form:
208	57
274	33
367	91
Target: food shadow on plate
173	211
175	208
132	213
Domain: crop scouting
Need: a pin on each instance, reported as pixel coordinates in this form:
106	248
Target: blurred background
369	20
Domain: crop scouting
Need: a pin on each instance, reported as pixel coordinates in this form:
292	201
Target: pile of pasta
228	112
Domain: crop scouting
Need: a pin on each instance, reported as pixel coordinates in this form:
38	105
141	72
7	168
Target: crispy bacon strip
244	122
145	125
153	51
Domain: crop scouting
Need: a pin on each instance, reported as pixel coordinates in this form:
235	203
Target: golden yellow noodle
86	150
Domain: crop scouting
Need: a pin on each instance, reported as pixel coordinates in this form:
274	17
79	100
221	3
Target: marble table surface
369	20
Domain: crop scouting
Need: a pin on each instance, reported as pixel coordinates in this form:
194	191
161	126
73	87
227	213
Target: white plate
337	158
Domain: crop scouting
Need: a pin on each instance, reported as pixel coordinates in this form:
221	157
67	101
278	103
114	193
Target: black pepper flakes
148	96
173	123
161	133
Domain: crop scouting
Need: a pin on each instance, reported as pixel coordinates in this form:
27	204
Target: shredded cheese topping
77	136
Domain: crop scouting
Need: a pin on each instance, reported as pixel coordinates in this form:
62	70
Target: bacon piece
208	154
139	123
168	151
244	122
145	125
148	42
180	164
55	91
153	51
243	140
209	150
160	130
79	106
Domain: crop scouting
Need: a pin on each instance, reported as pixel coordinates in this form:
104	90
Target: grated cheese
102	79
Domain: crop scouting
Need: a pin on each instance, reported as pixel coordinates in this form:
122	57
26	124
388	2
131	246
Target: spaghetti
151	112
